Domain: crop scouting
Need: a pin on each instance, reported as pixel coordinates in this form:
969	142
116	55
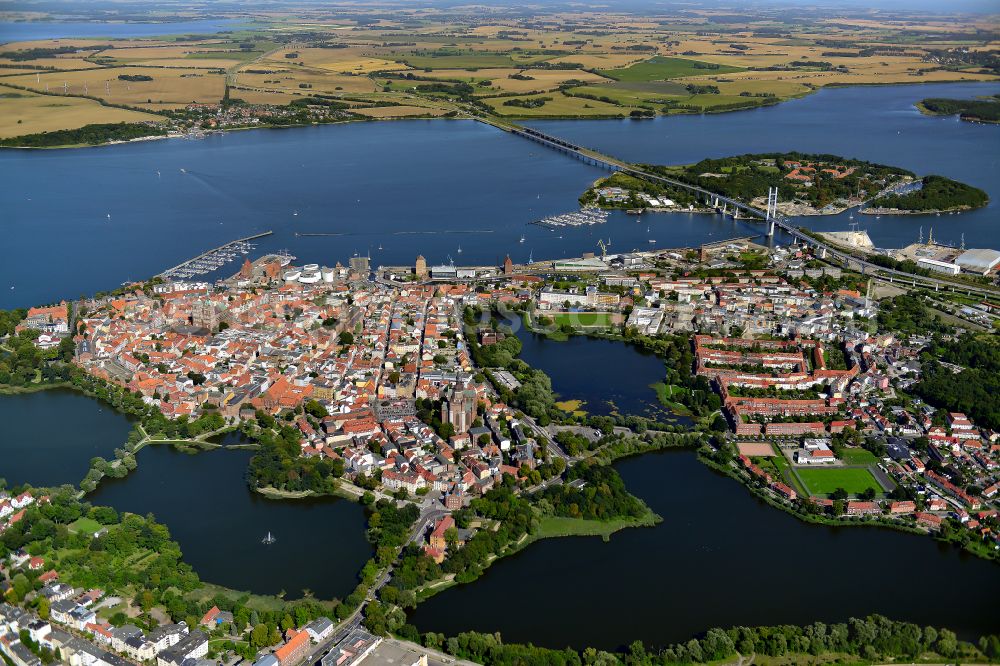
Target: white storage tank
310	268
309	277
328	274
292	276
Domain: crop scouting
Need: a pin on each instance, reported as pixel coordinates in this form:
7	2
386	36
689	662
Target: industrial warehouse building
978	261
939	266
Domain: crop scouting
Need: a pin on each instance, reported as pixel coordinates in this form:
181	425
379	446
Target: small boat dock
583	217
213	259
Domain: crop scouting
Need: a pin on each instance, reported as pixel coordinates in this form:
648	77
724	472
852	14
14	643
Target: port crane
604	248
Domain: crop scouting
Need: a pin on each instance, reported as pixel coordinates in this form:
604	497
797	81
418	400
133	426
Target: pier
210	260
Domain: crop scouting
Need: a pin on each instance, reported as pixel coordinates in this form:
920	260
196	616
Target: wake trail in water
202	179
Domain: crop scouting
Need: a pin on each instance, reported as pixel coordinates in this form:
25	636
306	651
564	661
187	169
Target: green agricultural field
652	88
708	102
661	68
855	480
458	61
625	98
559	105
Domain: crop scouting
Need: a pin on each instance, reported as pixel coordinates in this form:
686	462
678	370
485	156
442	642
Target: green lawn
825	481
777	466
84	525
858	456
660	68
589	319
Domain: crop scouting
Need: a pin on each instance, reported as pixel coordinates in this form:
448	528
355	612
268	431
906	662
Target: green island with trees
986	110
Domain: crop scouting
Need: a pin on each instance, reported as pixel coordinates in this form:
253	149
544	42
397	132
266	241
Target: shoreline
902	212
831	521
966	119
514	118
273	493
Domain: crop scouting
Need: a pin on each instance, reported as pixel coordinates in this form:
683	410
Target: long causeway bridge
724	203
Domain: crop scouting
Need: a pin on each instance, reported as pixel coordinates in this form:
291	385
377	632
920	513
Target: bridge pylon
772	209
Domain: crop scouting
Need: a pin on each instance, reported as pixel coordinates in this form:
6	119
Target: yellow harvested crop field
289	80
398	111
349	60
169	89
151	53
27	113
253	96
602	60
58	62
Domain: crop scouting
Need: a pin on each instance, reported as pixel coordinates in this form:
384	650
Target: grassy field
668	394
858	456
854	480
653	94
661	68
558	526
621	96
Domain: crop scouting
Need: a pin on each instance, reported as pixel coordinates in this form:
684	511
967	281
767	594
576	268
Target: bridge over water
822	249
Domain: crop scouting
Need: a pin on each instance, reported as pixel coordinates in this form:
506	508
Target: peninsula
986	110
